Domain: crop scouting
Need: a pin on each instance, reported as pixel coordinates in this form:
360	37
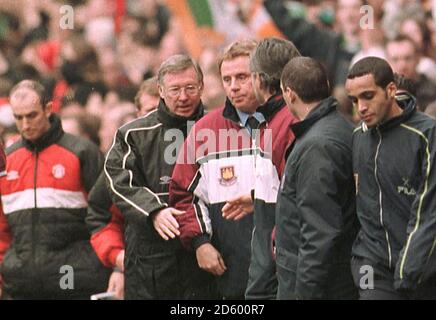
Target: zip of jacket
381	199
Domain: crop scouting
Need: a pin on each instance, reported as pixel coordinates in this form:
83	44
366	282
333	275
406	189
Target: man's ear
290	94
161	90
48	109
392	89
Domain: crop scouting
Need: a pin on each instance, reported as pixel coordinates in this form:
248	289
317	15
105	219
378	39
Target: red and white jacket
42	217
213	168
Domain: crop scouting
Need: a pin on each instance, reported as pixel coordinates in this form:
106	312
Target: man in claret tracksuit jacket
394	152
203	186
43	234
266	65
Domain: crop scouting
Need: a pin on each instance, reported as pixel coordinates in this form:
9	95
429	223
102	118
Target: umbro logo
165	180
12	175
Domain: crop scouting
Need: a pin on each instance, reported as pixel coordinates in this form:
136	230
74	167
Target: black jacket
138	169
396	203
315	218
138	175
44	199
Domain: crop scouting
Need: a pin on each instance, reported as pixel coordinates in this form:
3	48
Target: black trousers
167	276
383	283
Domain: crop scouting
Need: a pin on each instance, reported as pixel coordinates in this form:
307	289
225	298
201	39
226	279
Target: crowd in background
94	70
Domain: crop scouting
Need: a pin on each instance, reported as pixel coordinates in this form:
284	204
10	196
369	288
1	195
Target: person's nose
25	124
234	84
183	96
362	107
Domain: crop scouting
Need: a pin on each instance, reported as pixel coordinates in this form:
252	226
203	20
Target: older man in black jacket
138	168
315	217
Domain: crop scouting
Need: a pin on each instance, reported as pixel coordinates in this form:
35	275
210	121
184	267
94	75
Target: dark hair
379	68
405	84
269	59
308	78
35	87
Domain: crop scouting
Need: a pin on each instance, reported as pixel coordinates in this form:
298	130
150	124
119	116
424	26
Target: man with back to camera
395	194
316	221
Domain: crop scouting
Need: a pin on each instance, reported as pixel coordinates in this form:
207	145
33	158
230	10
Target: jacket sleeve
5	235
91	161
125	179
2	161
188	192
322	169
417	260
105	224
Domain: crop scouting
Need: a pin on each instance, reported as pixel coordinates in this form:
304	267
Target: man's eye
368	96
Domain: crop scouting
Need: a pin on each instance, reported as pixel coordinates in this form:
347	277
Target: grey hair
178	63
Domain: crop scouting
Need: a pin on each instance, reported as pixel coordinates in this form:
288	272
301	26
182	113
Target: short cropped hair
237	49
149	87
308	78
36	87
269	58
379	68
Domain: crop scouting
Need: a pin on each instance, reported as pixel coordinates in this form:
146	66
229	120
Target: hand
119	261
238	208
165	223
116	284
210	260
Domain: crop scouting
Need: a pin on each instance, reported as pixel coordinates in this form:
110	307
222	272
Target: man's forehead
24	101
180	75
25	94
360	84
239	64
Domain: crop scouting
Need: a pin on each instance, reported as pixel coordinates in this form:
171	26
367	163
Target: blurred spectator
403	56
147	97
111	120
419	32
347	23
82	125
431	110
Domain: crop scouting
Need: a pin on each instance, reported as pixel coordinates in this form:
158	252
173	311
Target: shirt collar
243	117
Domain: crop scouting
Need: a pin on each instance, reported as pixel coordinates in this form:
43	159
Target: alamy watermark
367	20
367	277
214	144
66	281
66	20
